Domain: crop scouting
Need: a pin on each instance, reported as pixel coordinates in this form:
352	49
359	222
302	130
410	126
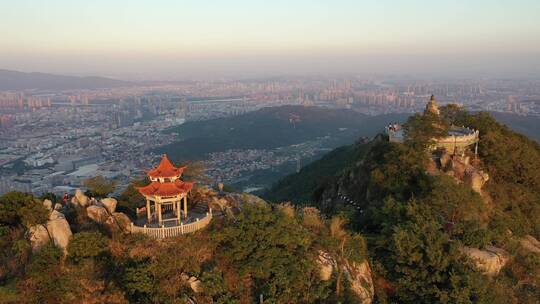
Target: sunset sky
166	39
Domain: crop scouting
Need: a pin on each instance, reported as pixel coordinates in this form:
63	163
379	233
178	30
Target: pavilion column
177	205
148	213
185	206
159	213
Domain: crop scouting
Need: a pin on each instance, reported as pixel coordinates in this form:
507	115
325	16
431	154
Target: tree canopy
99	186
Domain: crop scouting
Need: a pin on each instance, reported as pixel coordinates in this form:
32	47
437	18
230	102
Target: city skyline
170	40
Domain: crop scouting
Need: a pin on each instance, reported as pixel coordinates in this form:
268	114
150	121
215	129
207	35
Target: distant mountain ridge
526	125
14	80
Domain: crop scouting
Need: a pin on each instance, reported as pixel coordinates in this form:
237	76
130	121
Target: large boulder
204	194
55	215
458	168
359	275
231	203
237	199
489	260
59	230
326	265
109	204
80	199
465	160
38	236
56	229
431	167
48	204
251	199
98	214
476	179
195	285
123	221
219	203
445	160
118	222
531	244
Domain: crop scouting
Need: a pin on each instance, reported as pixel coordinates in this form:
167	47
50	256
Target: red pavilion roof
165	189
165	169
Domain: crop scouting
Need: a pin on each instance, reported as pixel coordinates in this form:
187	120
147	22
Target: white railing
165	232
459	139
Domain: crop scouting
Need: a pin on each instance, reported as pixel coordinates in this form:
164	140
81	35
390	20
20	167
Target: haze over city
179	40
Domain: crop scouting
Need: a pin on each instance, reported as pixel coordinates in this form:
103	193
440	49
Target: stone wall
456	143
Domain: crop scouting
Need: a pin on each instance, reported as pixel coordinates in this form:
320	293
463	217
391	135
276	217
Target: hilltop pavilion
166	191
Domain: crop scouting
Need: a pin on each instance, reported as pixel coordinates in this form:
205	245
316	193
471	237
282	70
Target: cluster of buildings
53	140
234	165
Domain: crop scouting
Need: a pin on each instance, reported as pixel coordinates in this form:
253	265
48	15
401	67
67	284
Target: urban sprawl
54	140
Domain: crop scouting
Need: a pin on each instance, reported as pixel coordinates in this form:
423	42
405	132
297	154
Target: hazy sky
167	39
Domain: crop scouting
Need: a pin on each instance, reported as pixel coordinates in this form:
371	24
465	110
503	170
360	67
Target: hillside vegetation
526	125
420	219
263	252
273	127
301	187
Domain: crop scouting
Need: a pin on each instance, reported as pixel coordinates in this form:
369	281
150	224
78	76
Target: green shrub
130	199
214	286
86	245
275	251
99	186
474	236
138	282
46	257
17	208
43	282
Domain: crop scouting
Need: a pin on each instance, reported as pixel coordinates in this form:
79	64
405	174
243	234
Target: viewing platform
456	142
459	139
